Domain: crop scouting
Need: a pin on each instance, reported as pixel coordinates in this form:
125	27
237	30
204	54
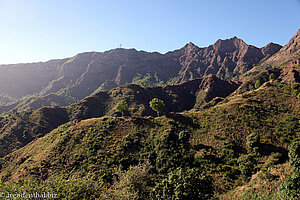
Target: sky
40	30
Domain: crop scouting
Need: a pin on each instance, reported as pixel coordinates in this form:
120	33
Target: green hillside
237	147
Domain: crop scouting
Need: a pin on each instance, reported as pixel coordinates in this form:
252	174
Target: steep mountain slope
226	58
289	52
17	129
81	75
285	59
106	156
19	80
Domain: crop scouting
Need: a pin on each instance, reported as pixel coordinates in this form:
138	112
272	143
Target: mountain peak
190	45
229	45
288	51
270	49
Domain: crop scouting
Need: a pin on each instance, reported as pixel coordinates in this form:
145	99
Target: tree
157	105
122	106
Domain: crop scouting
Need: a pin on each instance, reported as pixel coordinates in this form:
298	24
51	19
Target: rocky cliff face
289	52
226	59
84	73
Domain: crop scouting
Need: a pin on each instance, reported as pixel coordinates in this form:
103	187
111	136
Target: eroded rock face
226	58
270	49
82	74
288	52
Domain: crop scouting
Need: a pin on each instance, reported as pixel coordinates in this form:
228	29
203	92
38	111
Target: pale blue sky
40	30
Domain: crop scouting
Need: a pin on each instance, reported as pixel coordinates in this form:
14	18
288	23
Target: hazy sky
40	30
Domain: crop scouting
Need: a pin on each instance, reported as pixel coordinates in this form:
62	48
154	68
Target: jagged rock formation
289	52
84	73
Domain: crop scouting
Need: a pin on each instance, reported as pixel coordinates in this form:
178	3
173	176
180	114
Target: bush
134	183
295	86
246	164
294	156
272	77
184	136
252	142
251	87
184	184
290	188
257	84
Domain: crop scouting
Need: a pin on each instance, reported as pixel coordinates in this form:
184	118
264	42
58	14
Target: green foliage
252	142
272	77
246	165
294	156
147	80
295	86
157	105
184	184
257	84
229	152
184	136
290	187
122	106
172	152
250	87
133	184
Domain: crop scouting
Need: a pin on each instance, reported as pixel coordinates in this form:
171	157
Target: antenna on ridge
120	46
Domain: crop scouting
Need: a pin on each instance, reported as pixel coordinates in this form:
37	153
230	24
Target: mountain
283	62
74	78
289	52
18	129
223	149
229	128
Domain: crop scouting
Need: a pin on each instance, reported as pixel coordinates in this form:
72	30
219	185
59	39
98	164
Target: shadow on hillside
202	146
182	119
268	149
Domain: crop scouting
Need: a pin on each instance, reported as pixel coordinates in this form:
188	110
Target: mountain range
62	82
229	126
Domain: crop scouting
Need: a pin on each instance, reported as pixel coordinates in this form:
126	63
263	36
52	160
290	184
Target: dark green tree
122	106
157	105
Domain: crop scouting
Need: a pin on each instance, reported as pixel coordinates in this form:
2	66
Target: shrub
134	183
252	142
290	188
251	87
294	156
257	84
272	77
184	184
295	86
184	136
246	164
